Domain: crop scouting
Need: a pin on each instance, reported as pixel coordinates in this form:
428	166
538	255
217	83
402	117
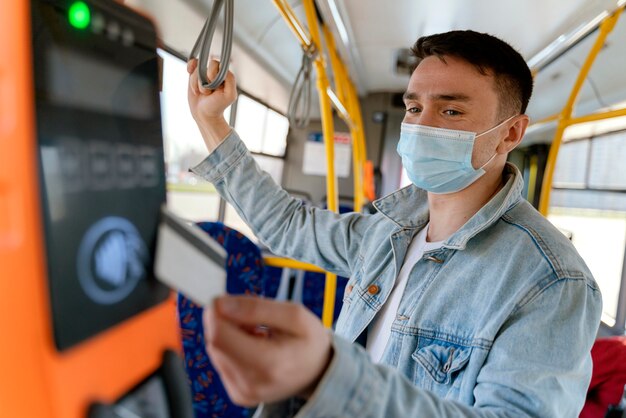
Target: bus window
187	195
589	205
263	130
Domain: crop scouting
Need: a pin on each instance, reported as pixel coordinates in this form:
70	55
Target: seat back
608	377
244	276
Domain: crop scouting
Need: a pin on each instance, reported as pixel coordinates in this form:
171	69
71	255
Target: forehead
435	78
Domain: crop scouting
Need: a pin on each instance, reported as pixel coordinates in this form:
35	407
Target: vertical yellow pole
532	179
359	141
328	129
347	94
566	114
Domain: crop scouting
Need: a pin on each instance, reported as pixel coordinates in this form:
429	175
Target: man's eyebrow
449	97
409	95
452	97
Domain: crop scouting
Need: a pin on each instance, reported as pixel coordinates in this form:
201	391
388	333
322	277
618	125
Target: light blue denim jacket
499	322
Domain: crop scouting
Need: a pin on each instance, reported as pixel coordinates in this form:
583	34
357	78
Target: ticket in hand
189	260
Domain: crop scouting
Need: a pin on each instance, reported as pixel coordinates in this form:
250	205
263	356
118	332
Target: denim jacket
498	322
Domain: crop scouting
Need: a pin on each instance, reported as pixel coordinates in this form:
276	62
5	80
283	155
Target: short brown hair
514	81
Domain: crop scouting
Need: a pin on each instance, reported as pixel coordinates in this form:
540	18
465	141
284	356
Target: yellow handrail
294	24
547	119
330	286
532	178
565	117
291	264
597	116
346	102
345	91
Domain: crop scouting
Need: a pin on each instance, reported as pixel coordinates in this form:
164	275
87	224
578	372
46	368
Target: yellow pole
359	141
565	116
294	24
330	288
597	116
532	178
290	264
343	86
335	64
346	95
546	120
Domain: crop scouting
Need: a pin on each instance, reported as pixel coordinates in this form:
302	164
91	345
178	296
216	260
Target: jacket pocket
440	366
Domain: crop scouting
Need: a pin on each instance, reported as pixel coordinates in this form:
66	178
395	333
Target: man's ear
515	134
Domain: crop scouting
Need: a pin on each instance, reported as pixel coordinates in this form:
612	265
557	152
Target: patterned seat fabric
312	292
244	276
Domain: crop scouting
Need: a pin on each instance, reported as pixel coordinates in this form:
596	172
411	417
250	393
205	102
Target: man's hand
207	106
266	351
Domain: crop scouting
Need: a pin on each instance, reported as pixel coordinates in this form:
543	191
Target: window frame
232	120
619	328
241	92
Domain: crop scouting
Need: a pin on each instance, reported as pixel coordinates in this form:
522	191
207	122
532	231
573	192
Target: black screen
101	166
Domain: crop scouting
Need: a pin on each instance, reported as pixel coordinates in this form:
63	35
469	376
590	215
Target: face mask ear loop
488	161
495	127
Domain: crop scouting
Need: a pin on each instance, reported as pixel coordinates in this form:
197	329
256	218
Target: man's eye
451	112
413	110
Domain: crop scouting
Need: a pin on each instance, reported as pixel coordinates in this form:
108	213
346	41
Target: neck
449	212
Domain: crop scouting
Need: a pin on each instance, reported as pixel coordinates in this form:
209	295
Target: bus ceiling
555	42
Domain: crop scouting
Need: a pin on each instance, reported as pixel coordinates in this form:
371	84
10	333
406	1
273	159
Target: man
474	305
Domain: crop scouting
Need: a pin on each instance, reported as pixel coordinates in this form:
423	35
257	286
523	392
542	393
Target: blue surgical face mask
440	160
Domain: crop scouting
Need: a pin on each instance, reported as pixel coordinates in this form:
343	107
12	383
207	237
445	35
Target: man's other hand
207	106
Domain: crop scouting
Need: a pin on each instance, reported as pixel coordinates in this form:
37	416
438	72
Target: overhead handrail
300	98
203	44
565	118
567	41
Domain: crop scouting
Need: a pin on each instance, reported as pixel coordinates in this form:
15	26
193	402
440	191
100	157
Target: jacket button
373	289
349	289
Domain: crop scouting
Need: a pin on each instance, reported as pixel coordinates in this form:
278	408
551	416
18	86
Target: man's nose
427	117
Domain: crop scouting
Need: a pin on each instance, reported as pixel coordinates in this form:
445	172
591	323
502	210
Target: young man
474	304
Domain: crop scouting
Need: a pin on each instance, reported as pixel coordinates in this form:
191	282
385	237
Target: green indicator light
79	15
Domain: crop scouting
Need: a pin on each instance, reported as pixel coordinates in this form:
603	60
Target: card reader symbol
111	260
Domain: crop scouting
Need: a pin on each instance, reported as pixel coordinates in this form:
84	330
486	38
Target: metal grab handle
203	44
298	100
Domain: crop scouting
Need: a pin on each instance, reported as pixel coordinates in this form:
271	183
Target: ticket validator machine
86	331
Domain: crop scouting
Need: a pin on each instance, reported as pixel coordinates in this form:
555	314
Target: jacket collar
408	208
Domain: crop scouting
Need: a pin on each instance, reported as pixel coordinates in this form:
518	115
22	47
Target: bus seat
307	288
244	276
608	377
313	294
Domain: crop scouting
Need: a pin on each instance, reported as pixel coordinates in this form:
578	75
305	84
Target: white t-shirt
379	330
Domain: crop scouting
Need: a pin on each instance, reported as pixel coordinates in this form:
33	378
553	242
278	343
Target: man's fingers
192	64
211	73
230	86
193	78
288	318
234	381
237	342
212	70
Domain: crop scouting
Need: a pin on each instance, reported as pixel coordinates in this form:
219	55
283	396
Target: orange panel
23	384
36	380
